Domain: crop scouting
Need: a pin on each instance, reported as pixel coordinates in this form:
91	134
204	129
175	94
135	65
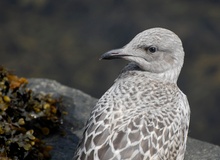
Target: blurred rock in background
63	40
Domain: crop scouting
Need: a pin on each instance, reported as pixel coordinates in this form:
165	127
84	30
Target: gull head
157	50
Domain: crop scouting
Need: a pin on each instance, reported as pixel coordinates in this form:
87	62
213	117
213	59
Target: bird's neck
170	76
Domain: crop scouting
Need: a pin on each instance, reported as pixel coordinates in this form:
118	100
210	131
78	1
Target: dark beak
113	54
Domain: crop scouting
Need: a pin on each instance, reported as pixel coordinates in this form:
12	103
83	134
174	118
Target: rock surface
78	106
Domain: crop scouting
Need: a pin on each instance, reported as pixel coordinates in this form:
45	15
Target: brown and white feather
143	116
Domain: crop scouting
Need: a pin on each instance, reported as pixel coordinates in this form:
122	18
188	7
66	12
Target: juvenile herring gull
144	115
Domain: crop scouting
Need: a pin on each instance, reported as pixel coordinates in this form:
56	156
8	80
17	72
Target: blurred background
63	40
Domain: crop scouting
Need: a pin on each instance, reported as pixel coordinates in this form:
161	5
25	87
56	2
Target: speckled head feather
144	115
155	50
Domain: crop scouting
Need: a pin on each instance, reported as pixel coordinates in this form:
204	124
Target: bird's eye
152	49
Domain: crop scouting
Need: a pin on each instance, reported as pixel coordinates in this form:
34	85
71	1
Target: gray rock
199	150
78	106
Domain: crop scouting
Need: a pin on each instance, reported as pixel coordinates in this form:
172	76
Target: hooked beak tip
113	54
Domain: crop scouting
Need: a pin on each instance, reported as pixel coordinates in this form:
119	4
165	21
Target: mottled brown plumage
144	115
